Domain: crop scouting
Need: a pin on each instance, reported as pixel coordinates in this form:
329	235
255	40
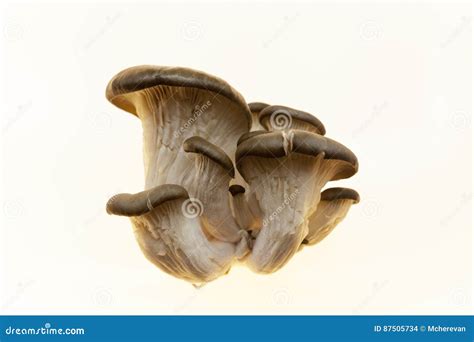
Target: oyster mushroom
286	171
207	174
332	208
281	117
174	104
169	238
245	210
255	109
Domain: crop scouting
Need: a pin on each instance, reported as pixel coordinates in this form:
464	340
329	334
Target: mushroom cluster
226	181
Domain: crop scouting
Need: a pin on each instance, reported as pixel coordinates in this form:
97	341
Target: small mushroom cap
236	189
333	194
144	201
256	107
200	145
250	134
278	144
147	76
294	113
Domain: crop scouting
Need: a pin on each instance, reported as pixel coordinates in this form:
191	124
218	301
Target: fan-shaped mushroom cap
286	171
170	237
173	105
281	117
333	207
207	177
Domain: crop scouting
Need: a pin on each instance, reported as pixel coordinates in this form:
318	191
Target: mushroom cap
250	134
278	144
333	194
200	145
147	76
144	201
236	189
256	107
294	113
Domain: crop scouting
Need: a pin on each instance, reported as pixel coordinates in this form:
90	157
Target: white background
391	81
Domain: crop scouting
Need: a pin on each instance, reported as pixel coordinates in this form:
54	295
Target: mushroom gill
169	238
333	207
286	170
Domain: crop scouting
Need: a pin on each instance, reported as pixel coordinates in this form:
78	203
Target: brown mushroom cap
147	76
144	201
294	113
277	144
250	134
256	107
333	194
200	145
